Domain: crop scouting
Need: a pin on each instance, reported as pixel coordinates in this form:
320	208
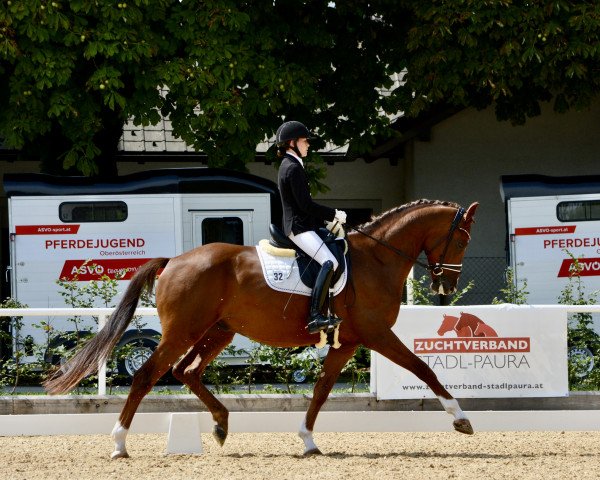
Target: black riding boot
318	321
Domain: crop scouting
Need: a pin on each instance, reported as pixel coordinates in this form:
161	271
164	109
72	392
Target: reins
436	269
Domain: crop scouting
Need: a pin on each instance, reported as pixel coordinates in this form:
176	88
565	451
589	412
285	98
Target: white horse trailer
551	221
81	229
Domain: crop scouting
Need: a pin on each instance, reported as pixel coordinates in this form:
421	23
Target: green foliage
358	367
512	54
423	295
219	375
284	362
584	369
226	73
510	293
12	368
253	363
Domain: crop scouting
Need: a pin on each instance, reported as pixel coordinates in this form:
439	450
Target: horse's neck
393	263
405	235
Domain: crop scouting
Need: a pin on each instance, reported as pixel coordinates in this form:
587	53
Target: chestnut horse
208	294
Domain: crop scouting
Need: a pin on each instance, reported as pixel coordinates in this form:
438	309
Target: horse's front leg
389	345
334	362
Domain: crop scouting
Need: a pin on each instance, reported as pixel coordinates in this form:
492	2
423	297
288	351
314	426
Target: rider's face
302	144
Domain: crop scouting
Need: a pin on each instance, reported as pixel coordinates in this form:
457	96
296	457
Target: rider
302	216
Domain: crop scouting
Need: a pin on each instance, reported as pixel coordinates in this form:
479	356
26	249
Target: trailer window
578	211
81	212
223	229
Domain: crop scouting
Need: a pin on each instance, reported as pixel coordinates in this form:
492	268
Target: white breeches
313	246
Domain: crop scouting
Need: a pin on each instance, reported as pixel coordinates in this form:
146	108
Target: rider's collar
293	154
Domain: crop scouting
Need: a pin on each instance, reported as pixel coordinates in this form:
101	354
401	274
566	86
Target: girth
308	267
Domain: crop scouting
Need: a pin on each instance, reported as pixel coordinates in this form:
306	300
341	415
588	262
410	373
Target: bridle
436	269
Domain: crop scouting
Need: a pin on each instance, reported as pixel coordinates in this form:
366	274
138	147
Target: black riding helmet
292	130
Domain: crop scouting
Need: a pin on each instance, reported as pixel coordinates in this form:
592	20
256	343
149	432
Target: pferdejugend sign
480	351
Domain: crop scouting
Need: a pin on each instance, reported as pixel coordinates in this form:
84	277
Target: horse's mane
402	209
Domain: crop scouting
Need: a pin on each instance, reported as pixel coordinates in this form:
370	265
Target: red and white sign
63	229
588	267
479	352
86	270
552	230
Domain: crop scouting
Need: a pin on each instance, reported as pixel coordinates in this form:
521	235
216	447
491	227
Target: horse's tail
97	349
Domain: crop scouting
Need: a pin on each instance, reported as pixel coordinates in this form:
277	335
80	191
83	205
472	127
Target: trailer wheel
135	353
299	376
584	358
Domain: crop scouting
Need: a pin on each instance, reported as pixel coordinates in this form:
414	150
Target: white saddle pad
282	274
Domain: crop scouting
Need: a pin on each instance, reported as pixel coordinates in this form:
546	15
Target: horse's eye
461	245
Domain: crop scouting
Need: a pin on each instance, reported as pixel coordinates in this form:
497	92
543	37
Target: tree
513	55
226	73
72	73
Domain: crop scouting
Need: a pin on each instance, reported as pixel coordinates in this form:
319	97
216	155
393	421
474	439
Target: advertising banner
479	352
87	254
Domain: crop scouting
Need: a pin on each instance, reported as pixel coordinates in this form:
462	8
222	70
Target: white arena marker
184	434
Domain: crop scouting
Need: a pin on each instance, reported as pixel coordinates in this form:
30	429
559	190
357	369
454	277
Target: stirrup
320	323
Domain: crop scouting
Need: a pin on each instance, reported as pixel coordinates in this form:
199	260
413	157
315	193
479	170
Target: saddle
309	268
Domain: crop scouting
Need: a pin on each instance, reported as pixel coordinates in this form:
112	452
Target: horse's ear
470	215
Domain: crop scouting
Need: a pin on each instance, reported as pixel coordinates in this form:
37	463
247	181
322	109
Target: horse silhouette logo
467	325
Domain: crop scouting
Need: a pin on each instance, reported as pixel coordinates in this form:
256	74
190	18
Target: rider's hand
336	228
340	216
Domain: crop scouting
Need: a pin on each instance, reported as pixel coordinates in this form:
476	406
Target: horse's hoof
311	452
463	426
119	454
220	434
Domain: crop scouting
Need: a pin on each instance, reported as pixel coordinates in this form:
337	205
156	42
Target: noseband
436	269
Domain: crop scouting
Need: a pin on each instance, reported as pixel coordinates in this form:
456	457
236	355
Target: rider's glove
340	216
336	228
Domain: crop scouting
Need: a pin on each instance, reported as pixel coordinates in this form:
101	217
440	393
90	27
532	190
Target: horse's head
445	252
448	324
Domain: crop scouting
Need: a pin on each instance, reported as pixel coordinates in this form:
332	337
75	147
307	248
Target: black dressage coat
300	212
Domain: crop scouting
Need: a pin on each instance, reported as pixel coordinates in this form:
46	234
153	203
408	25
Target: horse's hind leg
390	346
334	362
189	371
144	379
